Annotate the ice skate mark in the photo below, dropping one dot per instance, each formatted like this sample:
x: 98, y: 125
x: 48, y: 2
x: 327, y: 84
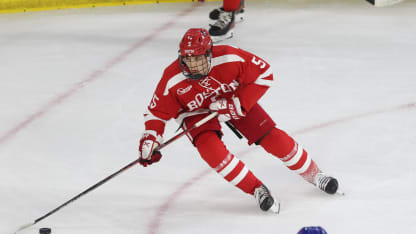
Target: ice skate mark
x: 93, y: 76
x: 354, y: 117
x: 156, y: 220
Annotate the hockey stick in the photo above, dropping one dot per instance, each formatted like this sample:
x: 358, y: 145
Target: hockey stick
x: 235, y: 131
x: 196, y: 125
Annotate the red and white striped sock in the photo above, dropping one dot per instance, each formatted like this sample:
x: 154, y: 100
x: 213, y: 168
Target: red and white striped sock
x: 283, y: 146
x: 214, y: 152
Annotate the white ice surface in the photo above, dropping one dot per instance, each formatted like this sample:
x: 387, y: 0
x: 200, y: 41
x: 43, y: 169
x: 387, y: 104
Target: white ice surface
x: 74, y: 84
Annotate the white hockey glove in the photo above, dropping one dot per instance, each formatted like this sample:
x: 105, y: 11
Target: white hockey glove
x: 148, y: 144
x: 228, y: 109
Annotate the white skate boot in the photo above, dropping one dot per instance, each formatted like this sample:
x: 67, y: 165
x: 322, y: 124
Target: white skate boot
x: 223, y: 28
x: 238, y: 14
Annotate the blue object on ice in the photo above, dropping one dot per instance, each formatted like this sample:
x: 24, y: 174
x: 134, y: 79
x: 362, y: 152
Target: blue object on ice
x: 312, y: 230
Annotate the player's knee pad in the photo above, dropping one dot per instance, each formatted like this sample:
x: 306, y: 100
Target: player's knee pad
x: 211, y: 148
x: 278, y: 143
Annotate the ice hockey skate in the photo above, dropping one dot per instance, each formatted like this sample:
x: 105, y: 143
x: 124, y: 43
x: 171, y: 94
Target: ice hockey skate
x: 222, y: 29
x: 265, y: 200
x: 238, y: 14
x: 326, y: 183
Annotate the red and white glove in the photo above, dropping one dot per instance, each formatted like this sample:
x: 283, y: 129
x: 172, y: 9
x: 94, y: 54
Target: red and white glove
x: 228, y: 109
x: 149, y: 141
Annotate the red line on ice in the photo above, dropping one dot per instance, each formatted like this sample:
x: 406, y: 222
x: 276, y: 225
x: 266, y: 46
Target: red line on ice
x: 89, y: 79
x: 156, y: 220
x: 354, y: 117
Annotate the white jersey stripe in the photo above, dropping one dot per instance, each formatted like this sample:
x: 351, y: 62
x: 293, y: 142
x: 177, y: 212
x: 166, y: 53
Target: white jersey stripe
x: 149, y: 116
x: 295, y: 158
x: 224, y: 172
x: 174, y: 81
x: 240, y: 176
x: 267, y: 73
x: 261, y: 81
x: 264, y: 82
x: 226, y: 59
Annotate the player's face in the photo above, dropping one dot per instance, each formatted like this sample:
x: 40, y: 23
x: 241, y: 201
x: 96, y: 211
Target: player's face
x: 197, y: 64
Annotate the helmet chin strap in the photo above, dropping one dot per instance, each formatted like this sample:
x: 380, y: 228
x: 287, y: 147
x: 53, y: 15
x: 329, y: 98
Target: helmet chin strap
x: 196, y: 76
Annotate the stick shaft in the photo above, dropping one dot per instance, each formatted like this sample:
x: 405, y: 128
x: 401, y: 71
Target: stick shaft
x: 235, y: 131
x: 79, y: 195
x: 199, y: 123
x: 89, y: 189
x: 196, y: 125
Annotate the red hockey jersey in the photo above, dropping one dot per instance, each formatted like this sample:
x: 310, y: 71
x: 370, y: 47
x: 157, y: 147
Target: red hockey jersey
x: 233, y: 72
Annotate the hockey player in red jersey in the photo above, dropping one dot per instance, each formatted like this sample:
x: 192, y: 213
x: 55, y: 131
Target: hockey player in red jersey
x: 230, y: 81
x: 226, y: 16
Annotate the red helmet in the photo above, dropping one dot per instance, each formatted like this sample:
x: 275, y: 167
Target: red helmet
x: 196, y: 41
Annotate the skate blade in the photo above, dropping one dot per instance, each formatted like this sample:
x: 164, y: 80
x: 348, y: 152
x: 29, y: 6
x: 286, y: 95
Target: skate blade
x: 217, y: 39
x: 239, y: 18
x: 275, y: 208
x: 340, y: 192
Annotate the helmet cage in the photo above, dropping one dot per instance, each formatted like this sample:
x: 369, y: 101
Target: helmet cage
x: 199, y: 74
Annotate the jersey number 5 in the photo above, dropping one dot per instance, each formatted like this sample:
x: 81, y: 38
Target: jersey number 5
x: 258, y: 62
x: 153, y: 103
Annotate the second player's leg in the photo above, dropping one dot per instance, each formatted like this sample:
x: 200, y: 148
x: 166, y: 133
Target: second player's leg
x: 225, y: 17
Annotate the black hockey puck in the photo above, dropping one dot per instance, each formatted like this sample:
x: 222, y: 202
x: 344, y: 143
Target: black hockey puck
x: 45, y: 231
